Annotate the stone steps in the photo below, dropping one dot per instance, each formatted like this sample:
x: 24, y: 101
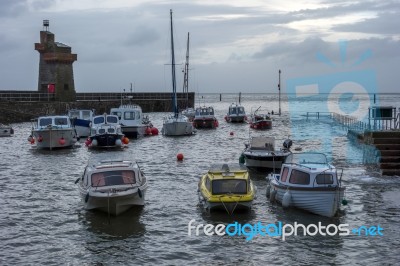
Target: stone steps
x: 390, y: 159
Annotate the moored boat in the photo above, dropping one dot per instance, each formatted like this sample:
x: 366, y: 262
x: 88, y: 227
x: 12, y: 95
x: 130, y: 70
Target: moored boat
x: 260, y: 120
x: 112, y: 186
x: 133, y: 123
x: 236, y: 113
x: 6, y: 131
x: 81, y: 120
x: 307, y: 181
x: 205, y: 118
x: 226, y: 187
x: 106, y: 133
x: 51, y: 132
x: 260, y: 154
x: 175, y: 124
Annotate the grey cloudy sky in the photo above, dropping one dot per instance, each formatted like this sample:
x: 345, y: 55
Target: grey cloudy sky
x: 236, y: 45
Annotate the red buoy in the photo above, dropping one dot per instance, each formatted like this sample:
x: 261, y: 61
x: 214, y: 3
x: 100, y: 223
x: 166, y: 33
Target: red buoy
x: 147, y: 132
x: 61, y: 141
x: 179, y: 157
x: 231, y: 133
x: 154, y: 131
x: 88, y: 142
x: 40, y: 139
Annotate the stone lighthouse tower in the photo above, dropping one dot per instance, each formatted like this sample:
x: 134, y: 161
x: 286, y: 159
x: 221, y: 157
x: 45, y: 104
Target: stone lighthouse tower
x: 55, y: 66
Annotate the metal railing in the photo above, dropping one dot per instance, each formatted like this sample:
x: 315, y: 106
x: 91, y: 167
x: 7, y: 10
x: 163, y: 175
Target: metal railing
x: 26, y: 97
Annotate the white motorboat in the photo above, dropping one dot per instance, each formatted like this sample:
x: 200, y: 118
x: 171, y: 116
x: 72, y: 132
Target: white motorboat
x: 130, y: 116
x: 236, y: 113
x: 6, y: 131
x: 307, y: 181
x: 81, y: 119
x: 52, y: 132
x: 112, y: 186
x: 106, y: 133
x: 176, y: 124
x: 189, y: 113
x: 260, y: 154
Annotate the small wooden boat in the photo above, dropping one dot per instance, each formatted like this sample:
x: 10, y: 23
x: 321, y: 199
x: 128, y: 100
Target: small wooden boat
x: 226, y: 187
x: 307, y: 181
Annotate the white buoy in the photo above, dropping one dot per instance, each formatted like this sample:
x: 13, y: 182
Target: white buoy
x: 118, y: 143
x: 268, y: 193
x: 94, y: 142
x: 272, y: 195
x: 287, y: 197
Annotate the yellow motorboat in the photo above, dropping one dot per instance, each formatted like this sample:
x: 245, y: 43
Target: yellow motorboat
x: 226, y: 187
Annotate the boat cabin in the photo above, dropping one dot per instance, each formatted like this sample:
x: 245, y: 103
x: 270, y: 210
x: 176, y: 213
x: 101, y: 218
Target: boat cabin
x: 204, y: 111
x: 53, y: 121
x: 128, y: 114
x: 227, y: 179
x: 81, y: 114
x: 236, y: 110
x: 308, y: 170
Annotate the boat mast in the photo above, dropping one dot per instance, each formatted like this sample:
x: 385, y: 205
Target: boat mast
x: 279, y: 88
x: 186, y: 74
x: 173, y: 70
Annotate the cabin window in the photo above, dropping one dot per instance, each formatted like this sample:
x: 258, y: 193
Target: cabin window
x: 225, y: 186
x: 138, y: 115
x: 98, y: 120
x: 129, y: 115
x: 324, y: 179
x: 210, y: 111
x: 119, y: 114
x: 241, y: 110
x: 86, y: 115
x: 284, y: 174
x: 113, y: 178
x: 112, y: 119
x: 45, y: 122
x: 74, y: 114
x: 61, y: 121
x: 208, y: 184
x: 299, y: 177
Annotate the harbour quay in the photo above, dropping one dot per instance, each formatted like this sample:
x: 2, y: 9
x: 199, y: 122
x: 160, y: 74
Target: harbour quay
x: 22, y: 106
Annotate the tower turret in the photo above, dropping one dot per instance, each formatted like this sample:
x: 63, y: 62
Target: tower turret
x: 55, y: 66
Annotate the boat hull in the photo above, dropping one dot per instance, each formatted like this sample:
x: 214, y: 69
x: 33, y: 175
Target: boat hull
x: 261, y: 125
x: 50, y: 138
x: 261, y: 162
x: 6, y: 132
x: 235, y: 118
x: 229, y: 207
x: 205, y: 123
x: 106, y: 140
x: 177, y: 128
x: 321, y: 201
x: 115, y: 203
x: 134, y: 131
x: 82, y: 127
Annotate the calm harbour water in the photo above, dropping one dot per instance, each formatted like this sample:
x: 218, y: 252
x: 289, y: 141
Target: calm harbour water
x: 42, y: 220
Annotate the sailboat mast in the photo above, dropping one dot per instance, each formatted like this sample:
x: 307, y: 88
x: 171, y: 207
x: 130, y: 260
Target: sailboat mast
x: 186, y: 74
x: 173, y: 70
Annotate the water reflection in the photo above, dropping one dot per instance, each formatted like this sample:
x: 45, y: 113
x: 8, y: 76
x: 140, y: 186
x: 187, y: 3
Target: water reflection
x: 127, y: 224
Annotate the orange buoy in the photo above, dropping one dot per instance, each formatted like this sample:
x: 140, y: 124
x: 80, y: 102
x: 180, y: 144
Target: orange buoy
x: 125, y: 140
x: 179, y: 157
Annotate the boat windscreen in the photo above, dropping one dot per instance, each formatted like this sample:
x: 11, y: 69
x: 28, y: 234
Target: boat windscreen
x: 112, y: 119
x: 113, y: 178
x: 307, y: 158
x: 229, y: 186
x: 222, y: 168
x: 45, y: 121
x: 98, y: 120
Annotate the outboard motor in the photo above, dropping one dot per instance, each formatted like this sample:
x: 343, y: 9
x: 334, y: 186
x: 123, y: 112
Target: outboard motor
x: 287, y: 144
